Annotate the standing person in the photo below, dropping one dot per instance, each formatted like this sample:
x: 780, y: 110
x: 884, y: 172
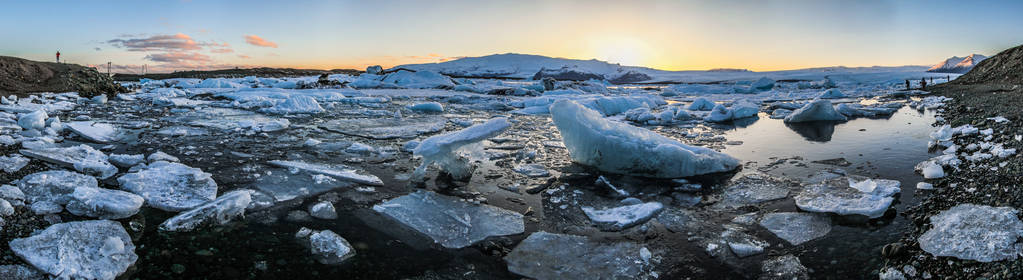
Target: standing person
x: 907, y: 84
x: 923, y: 84
x: 58, y: 56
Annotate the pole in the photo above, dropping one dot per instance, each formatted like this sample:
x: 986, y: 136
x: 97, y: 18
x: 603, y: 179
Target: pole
x: 108, y: 68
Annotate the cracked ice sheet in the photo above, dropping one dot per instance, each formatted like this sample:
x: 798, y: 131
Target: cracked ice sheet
x: 387, y: 128
x: 230, y: 119
x: 545, y: 255
x: 99, y: 249
x: 450, y: 221
x: 94, y: 131
x: 337, y: 171
x: 282, y: 186
x: 797, y: 227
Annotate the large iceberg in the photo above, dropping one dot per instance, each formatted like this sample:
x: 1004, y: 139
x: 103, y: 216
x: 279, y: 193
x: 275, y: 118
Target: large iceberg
x: 450, y: 221
x: 975, y: 232
x: 620, y: 148
x: 545, y: 255
x: 170, y: 186
x: 817, y: 110
x: 79, y: 250
x: 448, y: 150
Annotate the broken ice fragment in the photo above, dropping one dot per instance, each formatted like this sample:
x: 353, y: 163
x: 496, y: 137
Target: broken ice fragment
x: 755, y: 188
x: 104, y: 203
x: 326, y: 246
x: 817, y: 110
x: 170, y: 186
x: 621, y: 148
x: 742, y: 244
x: 338, y: 172
x: 795, y: 227
x: 217, y: 212
x: 623, y: 217
x: 387, y: 128
x: 449, y: 221
x: 870, y: 197
x: 83, y: 158
x: 323, y: 210
x: 95, y: 132
x: 447, y: 150
x: 545, y: 255
x: 787, y: 267
x: 532, y: 170
x: 98, y: 249
x: 13, y: 163
x: 975, y: 232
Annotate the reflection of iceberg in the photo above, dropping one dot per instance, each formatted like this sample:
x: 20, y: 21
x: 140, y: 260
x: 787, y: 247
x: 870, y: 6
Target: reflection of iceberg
x: 817, y: 131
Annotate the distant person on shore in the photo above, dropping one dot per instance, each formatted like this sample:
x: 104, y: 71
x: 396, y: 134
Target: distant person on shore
x: 58, y: 56
x: 907, y: 84
x: 923, y: 83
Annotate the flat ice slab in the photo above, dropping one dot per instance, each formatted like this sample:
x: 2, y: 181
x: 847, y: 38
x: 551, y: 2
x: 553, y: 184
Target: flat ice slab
x: 387, y: 128
x: 326, y: 246
x: 79, y: 250
x: 974, y: 232
x: 847, y: 196
x: 623, y: 217
x: 545, y: 255
x: 170, y: 186
x: 217, y: 212
x: 755, y: 188
x: 624, y: 149
x: 83, y: 158
x: 796, y: 227
x: 449, y: 221
x: 104, y: 203
x: 94, y: 131
x: 338, y: 172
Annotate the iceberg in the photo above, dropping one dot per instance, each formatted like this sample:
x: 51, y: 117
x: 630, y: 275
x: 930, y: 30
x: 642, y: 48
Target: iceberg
x: 447, y: 149
x: 974, y: 232
x: 763, y: 84
x: 217, y: 212
x: 817, y: 110
x: 623, y: 217
x: 832, y: 93
x: 545, y: 255
x: 795, y: 227
x: 170, y: 186
x: 299, y: 104
x: 449, y: 221
x: 620, y: 148
x: 79, y: 250
x: 701, y: 104
x: 82, y: 158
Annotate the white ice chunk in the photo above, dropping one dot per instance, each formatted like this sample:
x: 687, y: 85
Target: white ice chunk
x: 817, y: 110
x: 701, y: 104
x: 783, y: 267
x: 796, y: 227
x: 295, y: 105
x: 427, y: 107
x: 870, y: 197
x: 126, y: 161
x: 545, y: 255
x: 104, y: 203
x: 339, y: 172
x: 323, y: 210
x: 449, y: 221
x: 932, y: 170
x: 83, y: 158
x: 532, y: 170
x: 446, y: 150
x: 623, y: 217
x: 388, y: 128
x: 329, y: 248
x: 13, y: 163
x: 94, y: 131
x: 974, y: 232
x: 79, y: 250
x: 217, y: 212
x: 620, y: 148
x: 170, y: 186
x: 833, y: 93
x: 763, y: 84
x: 34, y: 120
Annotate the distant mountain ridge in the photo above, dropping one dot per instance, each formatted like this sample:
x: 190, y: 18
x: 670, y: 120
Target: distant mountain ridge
x: 957, y: 64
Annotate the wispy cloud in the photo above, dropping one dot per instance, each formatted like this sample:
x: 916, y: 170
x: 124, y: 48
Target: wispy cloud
x: 176, y: 42
x: 259, y: 42
x: 178, y: 57
x: 242, y: 56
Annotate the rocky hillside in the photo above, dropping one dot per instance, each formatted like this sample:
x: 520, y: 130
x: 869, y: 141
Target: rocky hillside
x: 22, y: 76
x: 1003, y: 69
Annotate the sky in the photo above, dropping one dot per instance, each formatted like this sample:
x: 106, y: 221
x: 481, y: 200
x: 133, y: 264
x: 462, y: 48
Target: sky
x: 670, y: 35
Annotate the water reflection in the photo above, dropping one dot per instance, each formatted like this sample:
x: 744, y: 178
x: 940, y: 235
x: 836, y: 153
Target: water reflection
x: 818, y: 131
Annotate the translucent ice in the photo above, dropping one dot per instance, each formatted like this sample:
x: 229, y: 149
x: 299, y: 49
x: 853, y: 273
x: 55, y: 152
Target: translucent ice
x: 449, y: 221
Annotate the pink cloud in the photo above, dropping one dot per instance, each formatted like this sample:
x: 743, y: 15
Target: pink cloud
x: 178, y: 57
x: 242, y: 56
x: 259, y: 42
x: 158, y: 43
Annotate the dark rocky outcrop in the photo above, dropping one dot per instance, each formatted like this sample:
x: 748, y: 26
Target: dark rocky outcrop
x: 22, y: 76
x: 1005, y: 68
x: 567, y: 74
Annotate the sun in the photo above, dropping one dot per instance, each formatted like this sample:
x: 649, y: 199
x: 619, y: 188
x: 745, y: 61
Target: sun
x: 622, y: 50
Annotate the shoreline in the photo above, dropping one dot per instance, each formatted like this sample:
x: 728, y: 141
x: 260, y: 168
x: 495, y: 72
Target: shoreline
x: 974, y: 182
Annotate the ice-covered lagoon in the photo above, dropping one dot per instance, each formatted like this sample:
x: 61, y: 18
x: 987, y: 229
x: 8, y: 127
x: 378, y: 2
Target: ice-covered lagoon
x: 269, y: 140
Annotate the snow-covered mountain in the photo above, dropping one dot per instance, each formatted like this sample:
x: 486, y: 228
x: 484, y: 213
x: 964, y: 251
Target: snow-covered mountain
x: 957, y: 64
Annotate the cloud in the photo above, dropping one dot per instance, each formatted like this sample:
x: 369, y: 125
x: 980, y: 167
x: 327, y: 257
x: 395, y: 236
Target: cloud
x: 242, y: 56
x: 259, y: 42
x: 179, y: 57
x: 98, y: 49
x: 221, y: 51
x: 176, y: 42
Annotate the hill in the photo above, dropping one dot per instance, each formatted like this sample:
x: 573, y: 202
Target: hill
x: 22, y: 76
x: 957, y: 64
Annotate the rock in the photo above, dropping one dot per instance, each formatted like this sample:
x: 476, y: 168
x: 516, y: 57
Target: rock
x: 94, y: 131
x: 79, y: 250
x: 217, y: 212
x: 82, y: 158
x: 787, y: 267
x: 545, y: 255
x: 796, y: 228
x: 974, y: 232
x: 170, y: 186
x: 449, y: 221
x: 104, y: 203
x: 323, y: 210
x: 623, y: 217
x: 339, y: 172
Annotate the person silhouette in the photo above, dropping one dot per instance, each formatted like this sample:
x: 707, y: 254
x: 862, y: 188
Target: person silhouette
x: 58, y: 56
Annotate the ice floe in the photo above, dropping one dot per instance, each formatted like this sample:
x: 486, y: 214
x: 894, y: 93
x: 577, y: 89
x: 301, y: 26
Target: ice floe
x: 220, y: 211
x: 82, y: 158
x: 623, y: 217
x: 974, y: 232
x: 79, y: 250
x: 817, y: 110
x: 451, y: 222
x: 795, y: 227
x: 339, y: 172
x: 95, y: 132
x: 545, y: 255
x: 387, y: 128
x: 847, y: 196
x: 170, y: 186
